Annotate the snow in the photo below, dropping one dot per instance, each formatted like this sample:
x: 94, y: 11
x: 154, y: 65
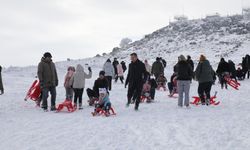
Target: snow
x: 160, y: 125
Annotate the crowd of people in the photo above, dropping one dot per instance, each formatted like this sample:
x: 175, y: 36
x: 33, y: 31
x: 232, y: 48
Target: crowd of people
x: 142, y: 80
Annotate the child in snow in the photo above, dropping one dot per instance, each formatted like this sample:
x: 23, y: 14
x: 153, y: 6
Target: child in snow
x: 77, y: 81
x: 68, y: 88
x: 119, y: 73
x: 161, y: 81
x: 103, y: 103
x: 146, y: 89
x: 172, y: 85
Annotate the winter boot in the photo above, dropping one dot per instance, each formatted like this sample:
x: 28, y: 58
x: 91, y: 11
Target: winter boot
x: 53, y: 108
x: 80, y: 106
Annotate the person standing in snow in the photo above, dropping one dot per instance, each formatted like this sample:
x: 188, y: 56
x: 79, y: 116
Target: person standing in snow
x: 119, y: 73
x: 190, y: 62
x: 148, y: 66
x: 232, y: 69
x: 47, y: 75
x: 246, y: 65
x: 1, y: 82
x: 222, y: 71
x: 136, y: 75
x: 184, y: 76
x: 204, y: 74
x: 109, y: 70
x: 164, y: 63
x: 157, y: 68
x: 115, y: 63
x: 77, y: 81
x: 68, y: 88
x: 124, y: 67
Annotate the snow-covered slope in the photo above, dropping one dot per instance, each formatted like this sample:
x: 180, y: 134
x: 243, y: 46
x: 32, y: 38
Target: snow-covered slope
x: 157, y: 126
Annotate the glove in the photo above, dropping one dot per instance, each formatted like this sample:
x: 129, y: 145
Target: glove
x: 89, y: 68
x: 125, y: 86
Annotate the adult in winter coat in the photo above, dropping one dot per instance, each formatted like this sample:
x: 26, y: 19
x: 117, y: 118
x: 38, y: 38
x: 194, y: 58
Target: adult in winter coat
x: 157, y: 68
x: 184, y: 76
x: 78, y: 83
x: 1, y: 82
x: 124, y: 67
x: 232, y: 69
x: 190, y: 62
x: 101, y: 82
x: 163, y: 61
x: 136, y: 75
x: 47, y: 75
x: 115, y: 63
x: 222, y: 71
x: 109, y: 70
x: 204, y: 74
x: 69, y: 90
x: 246, y: 66
x: 148, y: 67
x: 119, y: 73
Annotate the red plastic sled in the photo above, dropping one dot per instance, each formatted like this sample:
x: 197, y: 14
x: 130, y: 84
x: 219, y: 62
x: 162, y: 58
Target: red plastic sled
x: 34, y: 92
x: 233, y: 83
x: 101, y: 112
x: 144, y: 98
x: 68, y: 104
x: 197, y: 100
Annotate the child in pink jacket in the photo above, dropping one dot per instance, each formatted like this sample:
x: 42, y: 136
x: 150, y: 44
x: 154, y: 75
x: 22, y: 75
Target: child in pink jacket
x: 119, y: 73
x: 68, y: 88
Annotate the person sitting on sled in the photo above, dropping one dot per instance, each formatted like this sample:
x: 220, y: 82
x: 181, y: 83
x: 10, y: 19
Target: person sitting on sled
x: 161, y: 81
x: 146, y: 90
x: 101, y: 82
x: 103, y: 102
x: 172, y: 85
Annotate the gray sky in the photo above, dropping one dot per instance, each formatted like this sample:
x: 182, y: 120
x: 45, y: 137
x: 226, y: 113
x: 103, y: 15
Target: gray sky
x: 82, y: 28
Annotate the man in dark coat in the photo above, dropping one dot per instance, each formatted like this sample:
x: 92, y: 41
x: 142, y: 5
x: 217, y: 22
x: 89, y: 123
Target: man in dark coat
x: 124, y: 67
x: 136, y: 75
x: 190, y: 62
x: 246, y: 66
x: 115, y: 63
x: 232, y: 69
x: 157, y: 68
x: 1, y: 82
x: 47, y: 75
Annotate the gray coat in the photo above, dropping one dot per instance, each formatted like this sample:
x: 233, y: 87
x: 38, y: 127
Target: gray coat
x: 108, y: 69
x: 204, y: 72
x: 78, y: 79
x: 47, y: 73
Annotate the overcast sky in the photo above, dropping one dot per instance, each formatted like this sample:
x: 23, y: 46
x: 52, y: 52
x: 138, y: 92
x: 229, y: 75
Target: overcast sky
x: 82, y: 28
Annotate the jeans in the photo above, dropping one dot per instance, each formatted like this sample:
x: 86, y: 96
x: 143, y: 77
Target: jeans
x: 183, y: 87
x: 45, y: 95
